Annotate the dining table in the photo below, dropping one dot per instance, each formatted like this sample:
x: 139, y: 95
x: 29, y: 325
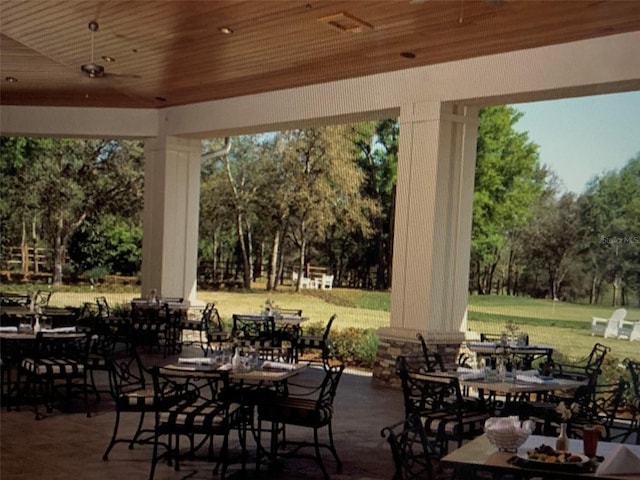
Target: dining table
x: 512, y: 394
x: 613, y: 461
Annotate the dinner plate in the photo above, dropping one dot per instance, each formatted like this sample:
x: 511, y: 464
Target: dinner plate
x: 524, y: 460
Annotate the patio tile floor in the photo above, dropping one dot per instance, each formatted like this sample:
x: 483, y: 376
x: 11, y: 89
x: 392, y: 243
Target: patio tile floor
x: 63, y: 446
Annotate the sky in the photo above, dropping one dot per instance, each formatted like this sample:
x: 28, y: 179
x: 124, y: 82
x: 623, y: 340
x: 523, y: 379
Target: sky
x: 580, y: 138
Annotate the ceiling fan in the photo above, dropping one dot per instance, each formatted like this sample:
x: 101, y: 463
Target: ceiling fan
x: 93, y: 69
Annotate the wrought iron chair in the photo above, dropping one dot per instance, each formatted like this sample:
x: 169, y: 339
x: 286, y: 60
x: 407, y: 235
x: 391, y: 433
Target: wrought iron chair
x: 632, y: 400
x: 200, y: 328
x: 588, y: 369
x: 308, y: 407
x: 259, y: 334
x: 132, y: 392
x: 58, y: 360
x: 195, y: 405
x: 313, y: 342
x: 414, y: 457
x: 150, y: 326
x: 438, y: 400
x: 433, y: 360
x: 102, y: 346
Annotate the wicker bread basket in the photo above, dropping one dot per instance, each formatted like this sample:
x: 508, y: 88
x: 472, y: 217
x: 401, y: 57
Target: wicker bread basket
x: 507, y: 433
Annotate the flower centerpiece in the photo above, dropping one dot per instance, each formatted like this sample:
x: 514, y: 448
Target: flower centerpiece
x: 562, y: 442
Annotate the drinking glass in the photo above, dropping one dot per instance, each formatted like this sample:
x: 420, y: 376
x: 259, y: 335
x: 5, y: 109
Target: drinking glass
x: 590, y: 441
x: 45, y: 323
x: 24, y: 325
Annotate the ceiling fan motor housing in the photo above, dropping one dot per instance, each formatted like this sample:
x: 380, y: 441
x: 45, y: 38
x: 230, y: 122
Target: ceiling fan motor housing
x: 93, y: 70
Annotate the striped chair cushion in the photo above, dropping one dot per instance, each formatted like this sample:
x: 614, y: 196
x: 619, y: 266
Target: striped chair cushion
x: 202, y: 414
x: 53, y: 366
x: 96, y: 361
x: 311, y: 342
x: 136, y: 400
x: 150, y: 327
x: 192, y: 325
x: 257, y: 342
x: 296, y: 411
x: 445, y: 423
x: 219, y: 337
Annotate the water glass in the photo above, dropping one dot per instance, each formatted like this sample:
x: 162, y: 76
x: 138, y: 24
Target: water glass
x: 24, y: 325
x: 45, y: 323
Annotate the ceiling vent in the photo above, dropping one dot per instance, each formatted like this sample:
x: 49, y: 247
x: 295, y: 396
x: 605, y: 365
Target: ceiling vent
x: 345, y: 22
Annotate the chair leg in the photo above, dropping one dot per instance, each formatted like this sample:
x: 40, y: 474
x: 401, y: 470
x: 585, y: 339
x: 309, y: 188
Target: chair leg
x: 138, y: 431
x: 316, y: 444
x: 105, y: 456
x: 332, y: 448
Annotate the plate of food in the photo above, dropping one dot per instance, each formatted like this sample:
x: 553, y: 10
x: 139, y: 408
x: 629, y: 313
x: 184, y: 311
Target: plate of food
x: 547, y: 457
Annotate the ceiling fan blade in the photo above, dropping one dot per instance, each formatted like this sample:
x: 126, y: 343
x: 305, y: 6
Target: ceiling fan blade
x: 120, y: 75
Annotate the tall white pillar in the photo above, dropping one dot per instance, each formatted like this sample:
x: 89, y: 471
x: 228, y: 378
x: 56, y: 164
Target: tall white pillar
x: 433, y: 221
x: 171, y: 213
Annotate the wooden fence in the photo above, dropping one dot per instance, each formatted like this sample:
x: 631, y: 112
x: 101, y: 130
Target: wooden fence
x: 27, y: 259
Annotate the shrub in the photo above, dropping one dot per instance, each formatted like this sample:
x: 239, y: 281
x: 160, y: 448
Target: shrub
x: 355, y: 346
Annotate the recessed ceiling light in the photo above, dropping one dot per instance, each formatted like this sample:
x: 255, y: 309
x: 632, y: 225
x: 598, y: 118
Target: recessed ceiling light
x: 10, y: 79
x: 108, y: 59
x: 410, y: 55
x: 225, y: 30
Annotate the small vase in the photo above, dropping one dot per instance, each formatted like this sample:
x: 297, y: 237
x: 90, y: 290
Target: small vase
x: 562, y: 442
x: 236, y: 361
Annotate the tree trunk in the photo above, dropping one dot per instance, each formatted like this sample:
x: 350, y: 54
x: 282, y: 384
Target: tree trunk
x: 273, y: 262
x: 216, y: 256
x: 510, y: 273
x: 57, y: 252
x: 478, y: 281
x: 24, y: 252
x: 301, y: 270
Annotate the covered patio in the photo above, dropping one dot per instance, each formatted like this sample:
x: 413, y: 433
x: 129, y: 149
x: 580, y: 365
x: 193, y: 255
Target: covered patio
x: 183, y: 79
x: 222, y: 68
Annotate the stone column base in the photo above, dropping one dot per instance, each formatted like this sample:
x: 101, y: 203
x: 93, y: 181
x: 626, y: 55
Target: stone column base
x: 394, y: 342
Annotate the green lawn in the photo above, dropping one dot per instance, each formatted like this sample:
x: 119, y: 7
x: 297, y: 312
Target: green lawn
x: 565, y: 326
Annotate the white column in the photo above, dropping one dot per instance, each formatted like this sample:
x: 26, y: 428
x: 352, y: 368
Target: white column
x: 433, y: 221
x: 171, y: 213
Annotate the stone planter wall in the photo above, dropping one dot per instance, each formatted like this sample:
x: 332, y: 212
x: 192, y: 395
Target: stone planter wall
x: 393, y: 344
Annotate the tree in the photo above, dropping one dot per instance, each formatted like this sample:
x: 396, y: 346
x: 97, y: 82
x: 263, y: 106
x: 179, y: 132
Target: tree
x: 507, y: 179
x: 68, y: 180
x: 376, y: 151
x: 552, y: 239
x: 611, y: 230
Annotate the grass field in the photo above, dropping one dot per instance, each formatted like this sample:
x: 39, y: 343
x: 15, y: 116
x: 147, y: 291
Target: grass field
x: 565, y: 326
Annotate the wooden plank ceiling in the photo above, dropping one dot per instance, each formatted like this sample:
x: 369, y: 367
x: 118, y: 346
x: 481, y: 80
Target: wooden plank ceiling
x: 171, y: 52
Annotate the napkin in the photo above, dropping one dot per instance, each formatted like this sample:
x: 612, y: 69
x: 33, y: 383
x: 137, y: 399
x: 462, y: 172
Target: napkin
x: 226, y: 366
x: 196, y: 360
x: 470, y: 373
x: 9, y: 329
x: 59, y: 330
x: 621, y: 461
x: 279, y: 365
x: 529, y: 377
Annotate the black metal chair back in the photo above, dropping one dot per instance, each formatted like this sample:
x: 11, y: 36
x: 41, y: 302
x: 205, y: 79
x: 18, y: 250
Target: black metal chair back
x: 433, y: 360
x: 190, y: 404
x: 410, y: 450
x: 132, y: 390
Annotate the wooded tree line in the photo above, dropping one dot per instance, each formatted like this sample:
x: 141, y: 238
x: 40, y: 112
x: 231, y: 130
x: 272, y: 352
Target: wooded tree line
x: 322, y: 196
x: 325, y: 196
x: 531, y: 238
